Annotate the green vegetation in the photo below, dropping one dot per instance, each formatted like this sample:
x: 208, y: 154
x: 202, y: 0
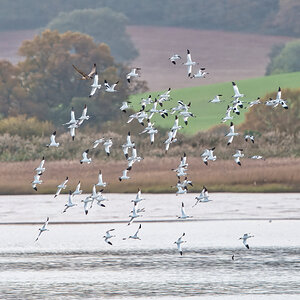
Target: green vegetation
x: 103, y: 24
x: 279, y: 17
x: 45, y: 85
x: 210, y: 114
x: 285, y: 59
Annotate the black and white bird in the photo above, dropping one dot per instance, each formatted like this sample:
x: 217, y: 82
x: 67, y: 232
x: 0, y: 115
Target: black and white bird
x: 236, y: 91
x: 125, y: 106
x: 216, y: 99
x: 95, y: 86
x: 237, y: 156
x: 77, y: 191
x: 97, y: 142
x: 133, y: 73
x: 203, y: 197
x: 85, y: 158
x: 83, y: 116
x: 179, y: 242
x: 254, y: 102
x: 108, y: 236
x: 245, y: 237
x: 124, y: 175
x: 134, y: 214
x: 70, y: 202
x: 72, y: 119
x: 110, y: 88
x: 248, y: 137
x: 183, y: 215
x: 189, y: 63
x: 61, y: 186
x: 40, y: 169
x: 208, y: 155
x: 128, y: 145
x: 200, y: 74
x: 43, y: 228
x: 135, y: 236
x: 52, y: 141
x: 227, y: 117
x: 231, y: 134
x: 107, y: 144
x: 100, y: 180
x: 174, y: 57
x: 138, y: 197
x: 257, y: 157
x: 36, y: 180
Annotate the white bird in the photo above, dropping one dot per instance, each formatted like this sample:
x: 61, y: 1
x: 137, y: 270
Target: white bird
x: 107, y: 144
x: 203, y: 196
x: 208, y: 154
x: 174, y: 57
x: 138, y: 197
x: 181, y: 106
x: 40, y: 169
x: 134, y: 214
x: 70, y: 203
x: 216, y: 99
x: 164, y: 97
x: 78, y: 191
x: 72, y: 131
x: 97, y: 142
x: 237, y: 156
x: 95, y: 86
x: 185, y: 115
x: 189, y: 63
x: 148, y: 127
x: 181, y: 190
x: 169, y: 140
x: 249, y: 137
x: 108, y: 236
x: 257, y: 157
x: 36, y: 180
x: 52, y: 141
x: 255, y: 102
x: 176, y: 126
x: 85, y: 159
x: 179, y: 242
x: 151, y: 133
x: 144, y: 102
x: 245, y: 237
x: 43, y: 228
x: 227, y: 117
x: 86, y: 201
x: 201, y: 74
x: 125, y: 105
x: 100, y: 198
x: 133, y: 73
x: 231, y: 134
x: 84, y: 115
x: 133, y: 158
x: 110, y: 88
x: 124, y: 175
x: 72, y: 120
x: 135, y: 236
x: 183, y: 163
x: 100, y: 180
x: 183, y: 215
x: 61, y: 186
x: 237, y: 94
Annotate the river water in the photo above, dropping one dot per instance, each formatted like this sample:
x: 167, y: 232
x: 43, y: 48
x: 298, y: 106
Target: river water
x: 72, y: 261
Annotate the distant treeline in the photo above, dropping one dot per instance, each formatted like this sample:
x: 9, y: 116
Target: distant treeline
x: 259, y: 16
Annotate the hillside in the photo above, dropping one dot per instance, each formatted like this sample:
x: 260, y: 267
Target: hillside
x: 210, y: 114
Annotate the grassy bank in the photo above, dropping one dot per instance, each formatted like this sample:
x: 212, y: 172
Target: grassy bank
x: 210, y: 114
x: 272, y: 175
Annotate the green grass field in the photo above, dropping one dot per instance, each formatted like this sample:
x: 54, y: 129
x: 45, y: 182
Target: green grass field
x: 210, y: 114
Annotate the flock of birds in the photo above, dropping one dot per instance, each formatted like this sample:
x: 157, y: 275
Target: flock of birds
x: 143, y: 115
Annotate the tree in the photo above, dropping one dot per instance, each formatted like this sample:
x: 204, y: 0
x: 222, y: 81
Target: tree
x: 287, y: 60
x: 265, y: 119
x: 103, y: 24
x: 51, y: 83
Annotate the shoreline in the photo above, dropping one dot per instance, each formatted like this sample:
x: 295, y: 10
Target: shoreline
x: 275, y: 175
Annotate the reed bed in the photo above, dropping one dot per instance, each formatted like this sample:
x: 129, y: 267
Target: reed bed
x: 155, y: 175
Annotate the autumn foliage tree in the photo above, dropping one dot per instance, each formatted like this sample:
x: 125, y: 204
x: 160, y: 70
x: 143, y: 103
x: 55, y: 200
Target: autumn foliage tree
x: 264, y: 119
x: 45, y: 84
